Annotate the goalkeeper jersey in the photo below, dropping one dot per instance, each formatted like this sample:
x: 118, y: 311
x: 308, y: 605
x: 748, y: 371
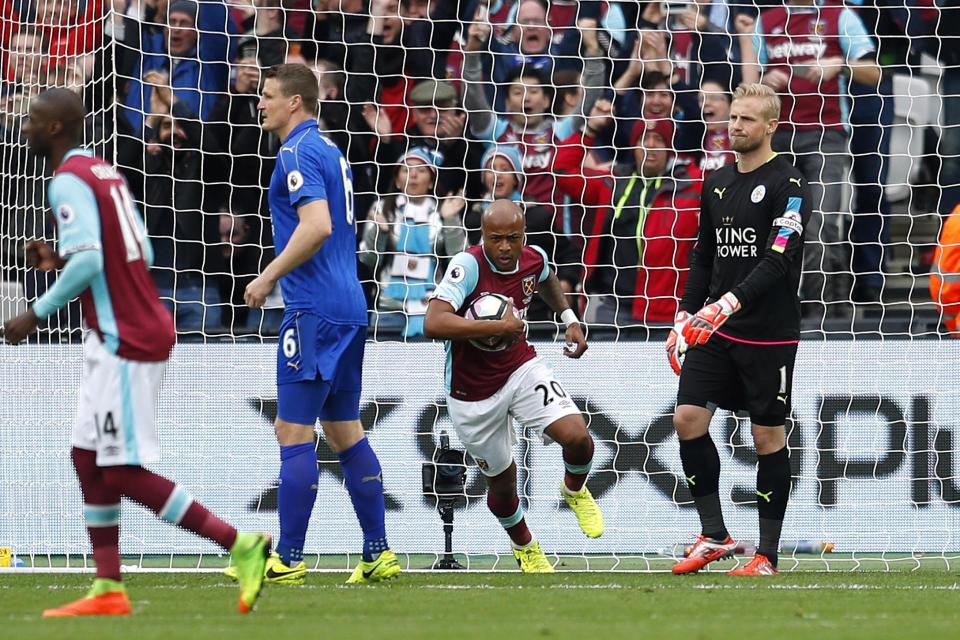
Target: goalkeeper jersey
x: 750, y: 242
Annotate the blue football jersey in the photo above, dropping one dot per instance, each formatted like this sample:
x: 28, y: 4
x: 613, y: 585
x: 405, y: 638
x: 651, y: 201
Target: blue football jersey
x: 310, y: 167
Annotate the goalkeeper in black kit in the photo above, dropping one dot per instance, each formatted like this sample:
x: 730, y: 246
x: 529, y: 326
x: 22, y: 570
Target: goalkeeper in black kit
x: 739, y: 324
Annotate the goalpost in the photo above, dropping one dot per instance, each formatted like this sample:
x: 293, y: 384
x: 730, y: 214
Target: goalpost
x: 875, y: 429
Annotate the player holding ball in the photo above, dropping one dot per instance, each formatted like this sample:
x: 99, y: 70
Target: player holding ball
x: 493, y: 374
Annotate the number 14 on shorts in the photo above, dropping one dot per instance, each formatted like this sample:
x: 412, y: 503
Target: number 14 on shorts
x: 105, y: 424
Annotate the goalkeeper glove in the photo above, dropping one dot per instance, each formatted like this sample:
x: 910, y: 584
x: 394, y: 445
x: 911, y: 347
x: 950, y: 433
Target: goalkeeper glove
x: 699, y: 329
x: 676, y: 345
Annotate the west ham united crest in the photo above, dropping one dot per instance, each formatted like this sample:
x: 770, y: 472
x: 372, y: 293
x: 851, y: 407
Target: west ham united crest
x: 529, y: 285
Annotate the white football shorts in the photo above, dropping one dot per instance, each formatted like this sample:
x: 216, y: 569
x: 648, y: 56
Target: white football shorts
x: 531, y: 396
x: 117, y: 413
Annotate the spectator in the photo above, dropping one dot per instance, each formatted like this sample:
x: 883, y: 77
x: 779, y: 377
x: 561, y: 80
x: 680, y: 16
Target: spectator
x: 438, y: 123
x: 948, y: 28
x: 193, y: 49
x: 714, y: 103
x: 24, y: 63
x: 611, y: 32
x: 945, y: 274
x: 871, y: 120
x: 645, y: 225
x: 543, y: 34
x: 528, y: 47
x: 334, y: 23
x: 234, y: 137
x: 685, y: 50
x: 653, y: 102
x: 240, y: 257
x: 403, y: 237
x: 264, y: 27
x: 786, y: 43
x: 503, y: 180
x: 182, y: 183
x: 9, y: 22
x: 343, y: 124
x: 527, y: 123
x: 69, y: 34
x: 567, y: 92
x: 385, y: 62
x: 235, y: 124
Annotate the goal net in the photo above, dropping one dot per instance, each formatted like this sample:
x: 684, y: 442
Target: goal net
x: 603, y: 118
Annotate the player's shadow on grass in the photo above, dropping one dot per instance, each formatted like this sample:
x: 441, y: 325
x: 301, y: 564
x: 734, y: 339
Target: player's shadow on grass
x: 327, y: 461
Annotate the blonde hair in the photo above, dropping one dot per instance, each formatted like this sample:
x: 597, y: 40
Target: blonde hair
x: 770, y: 103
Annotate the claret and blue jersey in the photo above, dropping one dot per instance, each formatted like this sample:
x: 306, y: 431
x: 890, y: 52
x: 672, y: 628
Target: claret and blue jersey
x: 96, y: 218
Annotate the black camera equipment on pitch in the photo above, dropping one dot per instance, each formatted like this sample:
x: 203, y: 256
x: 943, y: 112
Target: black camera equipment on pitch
x: 444, y: 479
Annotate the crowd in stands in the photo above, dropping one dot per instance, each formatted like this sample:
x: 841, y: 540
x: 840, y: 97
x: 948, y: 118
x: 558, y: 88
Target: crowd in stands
x: 602, y: 117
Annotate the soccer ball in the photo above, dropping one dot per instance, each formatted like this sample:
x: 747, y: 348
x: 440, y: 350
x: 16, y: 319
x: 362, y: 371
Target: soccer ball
x: 489, y: 306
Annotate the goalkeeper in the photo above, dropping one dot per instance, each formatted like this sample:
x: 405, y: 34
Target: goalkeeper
x: 740, y: 319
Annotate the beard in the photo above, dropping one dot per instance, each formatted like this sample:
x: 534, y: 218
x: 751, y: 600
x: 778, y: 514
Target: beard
x: 744, y: 145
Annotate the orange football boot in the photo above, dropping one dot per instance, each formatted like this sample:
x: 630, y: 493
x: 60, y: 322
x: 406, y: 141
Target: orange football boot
x: 705, y: 550
x: 110, y: 603
x: 759, y: 566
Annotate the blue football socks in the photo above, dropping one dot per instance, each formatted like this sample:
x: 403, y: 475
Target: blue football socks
x: 297, y: 493
x: 364, y: 479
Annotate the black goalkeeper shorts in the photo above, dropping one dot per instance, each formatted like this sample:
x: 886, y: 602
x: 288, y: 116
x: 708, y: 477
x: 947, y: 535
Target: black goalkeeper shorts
x: 739, y: 376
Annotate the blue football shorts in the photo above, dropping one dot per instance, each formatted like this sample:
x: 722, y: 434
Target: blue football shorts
x: 319, y: 369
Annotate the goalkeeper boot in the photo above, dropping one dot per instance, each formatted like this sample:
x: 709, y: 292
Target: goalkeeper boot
x: 105, y: 598
x: 532, y: 559
x: 704, y: 551
x: 759, y: 566
x: 383, y: 567
x: 586, y: 509
x: 249, y: 555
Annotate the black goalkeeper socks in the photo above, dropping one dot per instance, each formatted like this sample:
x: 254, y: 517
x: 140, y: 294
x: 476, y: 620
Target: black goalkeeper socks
x: 773, y: 491
x: 701, y: 466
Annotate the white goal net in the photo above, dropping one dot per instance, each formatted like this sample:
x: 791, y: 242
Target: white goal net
x: 602, y: 118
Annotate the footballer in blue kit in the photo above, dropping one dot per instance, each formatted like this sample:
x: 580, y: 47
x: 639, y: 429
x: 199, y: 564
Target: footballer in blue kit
x: 322, y: 336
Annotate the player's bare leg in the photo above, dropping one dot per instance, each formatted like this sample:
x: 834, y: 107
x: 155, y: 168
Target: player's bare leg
x: 363, y: 478
x: 101, y: 512
x: 773, y: 491
x: 503, y: 502
x: 102, y: 488
x: 571, y: 433
x: 701, y: 467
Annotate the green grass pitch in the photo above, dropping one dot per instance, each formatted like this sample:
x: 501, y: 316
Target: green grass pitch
x: 587, y: 606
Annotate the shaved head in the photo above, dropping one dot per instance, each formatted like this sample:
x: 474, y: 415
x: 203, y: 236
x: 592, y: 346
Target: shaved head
x: 55, y: 123
x: 503, y: 212
x: 66, y: 107
x: 502, y: 226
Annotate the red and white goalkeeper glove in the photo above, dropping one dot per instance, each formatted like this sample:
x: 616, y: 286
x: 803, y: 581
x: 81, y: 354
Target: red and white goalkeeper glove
x: 699, y: 329
x: 676, y: 345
